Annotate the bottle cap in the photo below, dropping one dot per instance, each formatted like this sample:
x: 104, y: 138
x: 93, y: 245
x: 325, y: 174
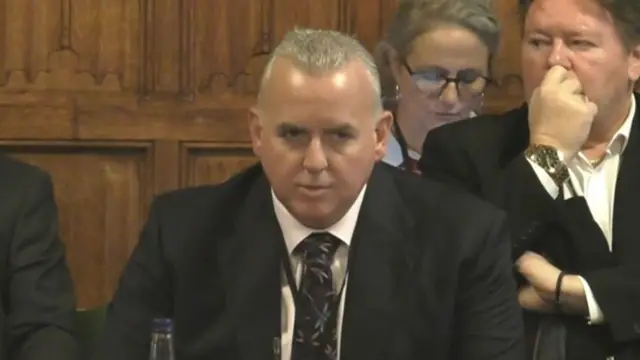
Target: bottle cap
x: 162, y: 325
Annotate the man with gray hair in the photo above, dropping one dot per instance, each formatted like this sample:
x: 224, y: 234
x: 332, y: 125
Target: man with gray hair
x: 259, y: 267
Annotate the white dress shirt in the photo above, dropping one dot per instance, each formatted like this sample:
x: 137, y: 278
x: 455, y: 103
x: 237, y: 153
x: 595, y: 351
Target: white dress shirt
x: 597, y: 185
x: 294, y: 232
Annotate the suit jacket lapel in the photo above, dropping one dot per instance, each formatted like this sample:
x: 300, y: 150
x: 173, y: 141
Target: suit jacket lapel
x: 377, y: 258
x: 627, y: 198
x: 253, y: 277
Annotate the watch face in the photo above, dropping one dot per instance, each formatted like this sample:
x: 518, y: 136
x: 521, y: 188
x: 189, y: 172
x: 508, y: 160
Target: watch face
x: 545, y: 156
x: 550, y: 157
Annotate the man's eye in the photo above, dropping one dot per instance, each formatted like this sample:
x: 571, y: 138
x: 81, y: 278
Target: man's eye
x: 536, y: 42
x: 582, y: 43
x: 291, y: 133
x: 342, y: 135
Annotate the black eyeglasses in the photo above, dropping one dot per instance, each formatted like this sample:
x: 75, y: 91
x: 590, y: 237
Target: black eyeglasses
x: 469, y: 83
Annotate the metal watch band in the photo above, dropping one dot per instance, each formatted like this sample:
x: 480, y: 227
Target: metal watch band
x: 548, y: 159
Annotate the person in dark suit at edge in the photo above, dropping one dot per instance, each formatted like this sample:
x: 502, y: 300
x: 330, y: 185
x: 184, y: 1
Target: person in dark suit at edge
x: 399, y: 267
x: 556, y: 165
x: 37, y: 301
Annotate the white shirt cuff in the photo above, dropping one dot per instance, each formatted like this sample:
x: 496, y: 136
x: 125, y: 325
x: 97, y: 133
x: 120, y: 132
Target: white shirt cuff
x: 596, y: 316
x: 545, y: 180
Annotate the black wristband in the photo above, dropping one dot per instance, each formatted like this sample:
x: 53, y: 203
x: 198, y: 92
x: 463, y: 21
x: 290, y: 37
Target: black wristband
x: 558, y: 290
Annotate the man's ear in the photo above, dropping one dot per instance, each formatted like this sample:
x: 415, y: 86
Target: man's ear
x: 255, y: 130
x: 382, y: 133
x: 634, y: 64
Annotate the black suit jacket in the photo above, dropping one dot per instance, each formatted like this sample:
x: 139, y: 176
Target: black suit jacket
x: 37, y: 302
x: 429, y: 275
x: 485, y: 156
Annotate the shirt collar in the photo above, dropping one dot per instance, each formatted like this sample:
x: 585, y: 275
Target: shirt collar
x: 619, y: 141
x: 294, y: 232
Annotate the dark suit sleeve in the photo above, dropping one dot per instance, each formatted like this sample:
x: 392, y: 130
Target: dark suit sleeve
x: 617, y: 291
x: 488, y: 317
x: 144, y: 293
x: 443, y: 162
x: 41, y: 299
x: 615, y: 286
x: 514, y: 188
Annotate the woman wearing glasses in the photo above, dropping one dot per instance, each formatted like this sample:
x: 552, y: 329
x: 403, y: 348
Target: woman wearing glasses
x: 434, y: 65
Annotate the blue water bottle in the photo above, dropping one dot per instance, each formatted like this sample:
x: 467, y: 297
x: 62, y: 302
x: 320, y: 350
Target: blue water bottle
x: 162, y: 340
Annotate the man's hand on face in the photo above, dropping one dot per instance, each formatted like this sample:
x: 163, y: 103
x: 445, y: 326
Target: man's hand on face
x: 560, y: 115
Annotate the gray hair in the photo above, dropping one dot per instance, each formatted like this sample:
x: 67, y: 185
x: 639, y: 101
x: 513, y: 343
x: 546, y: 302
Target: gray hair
x: 317, y: 52
x: 416, y: 17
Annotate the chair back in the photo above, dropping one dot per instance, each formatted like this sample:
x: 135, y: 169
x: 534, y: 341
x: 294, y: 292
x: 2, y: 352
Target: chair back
x: 89, y: 327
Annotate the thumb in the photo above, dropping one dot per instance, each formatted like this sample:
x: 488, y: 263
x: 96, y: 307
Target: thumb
x: 593, y: 108
x: 534, y: 95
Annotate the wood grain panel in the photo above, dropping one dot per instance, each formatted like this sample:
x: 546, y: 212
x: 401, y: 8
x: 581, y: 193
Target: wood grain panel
x: 102, y: 194
x: 122, y: 119
x: 209, y: 163
x: 88, y: 45
x: 36, y: 115
x: 233, y: 38
x: 506, y: 92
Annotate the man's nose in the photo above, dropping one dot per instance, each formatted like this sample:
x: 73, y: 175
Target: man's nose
x: 315, y: 159
x: 559, y: 55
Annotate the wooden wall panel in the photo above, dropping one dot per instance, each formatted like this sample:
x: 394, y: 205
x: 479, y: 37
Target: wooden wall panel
x: 123, y: 99
x: 89, y: 45
x: 506, y: 92
x: 211, y: 163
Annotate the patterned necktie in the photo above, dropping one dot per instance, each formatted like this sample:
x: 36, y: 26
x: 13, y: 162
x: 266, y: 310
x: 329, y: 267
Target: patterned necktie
x: 411, y: 164
x: 315, y: 336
